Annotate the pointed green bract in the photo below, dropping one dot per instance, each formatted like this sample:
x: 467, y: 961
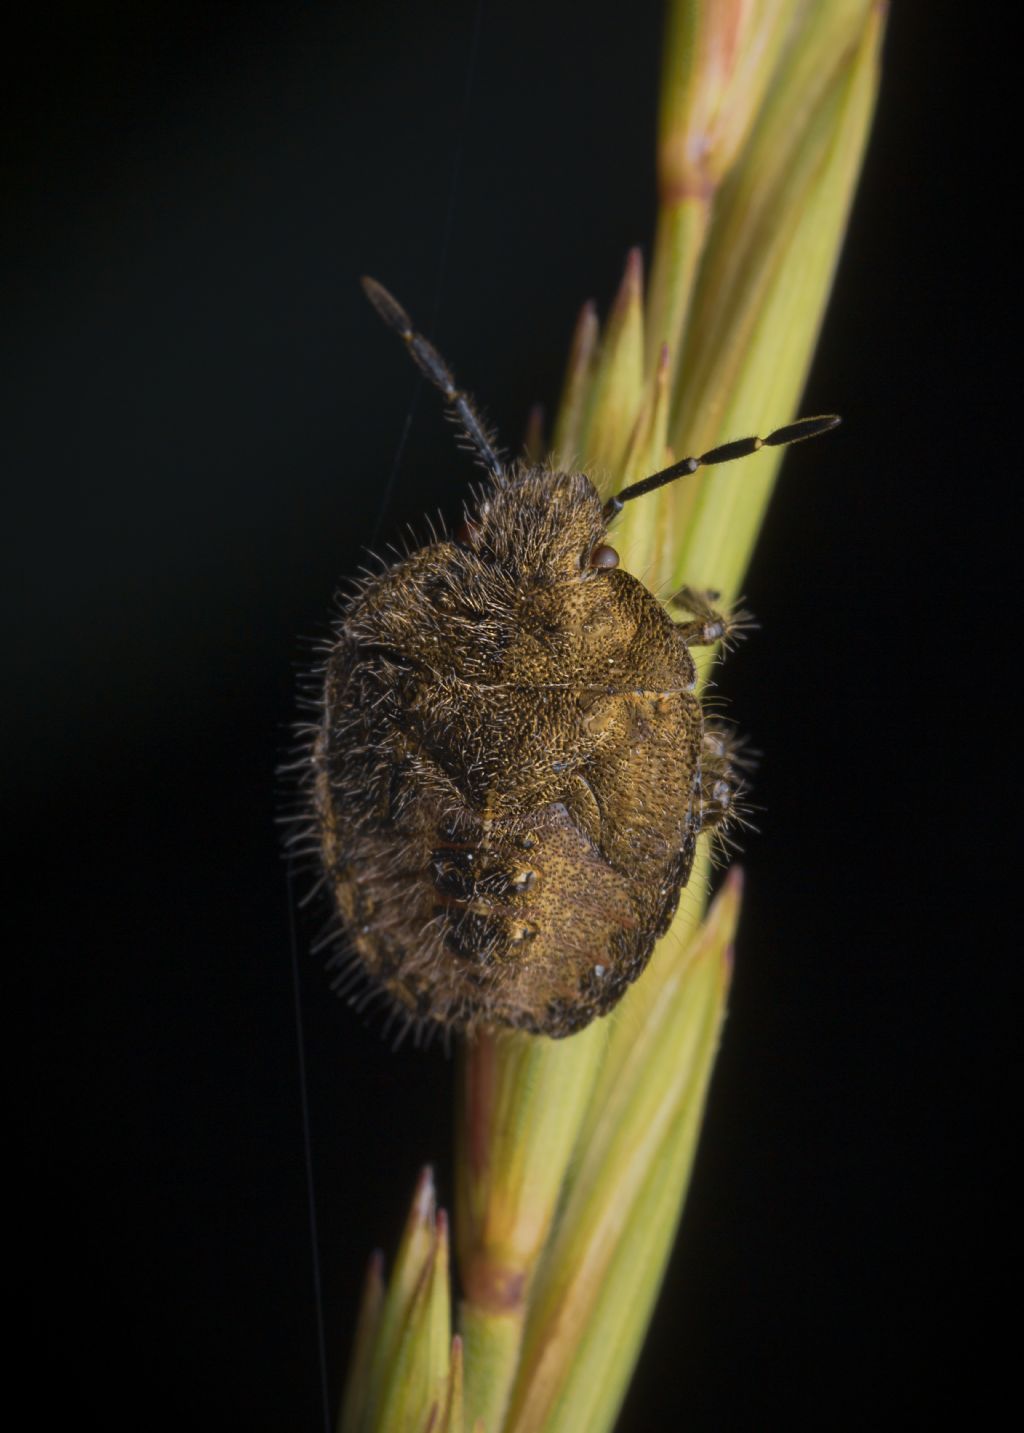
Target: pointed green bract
x: 406, y: 1373
x: 616, y: 390
x: 632, y: 1136
x: 566, y: 449
x: 357, y: 1385
x: 417, y: 1372
x: 414, y: 1254
x: 453, y: 1420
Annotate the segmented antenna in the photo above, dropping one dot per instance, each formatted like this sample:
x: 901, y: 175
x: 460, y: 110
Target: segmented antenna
x: 432, y: 366
x: 725, y: 453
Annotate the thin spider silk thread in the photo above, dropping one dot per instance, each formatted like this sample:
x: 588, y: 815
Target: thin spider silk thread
x: 442, y: 262
x: 307, y: 1147
x: 300, y: 1035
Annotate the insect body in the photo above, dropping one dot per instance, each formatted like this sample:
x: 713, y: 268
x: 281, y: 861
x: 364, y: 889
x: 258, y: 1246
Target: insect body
x: 512, y: 766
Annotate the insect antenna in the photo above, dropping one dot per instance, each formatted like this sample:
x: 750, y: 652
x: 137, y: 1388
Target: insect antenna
x: 432, y: 366
x: 739, y: 448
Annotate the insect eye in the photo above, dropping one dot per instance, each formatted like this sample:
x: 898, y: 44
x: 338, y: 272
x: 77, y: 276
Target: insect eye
x: 603, y: 557
x: 467, y: 534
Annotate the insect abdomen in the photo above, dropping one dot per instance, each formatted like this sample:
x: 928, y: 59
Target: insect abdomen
x: 506, y: 854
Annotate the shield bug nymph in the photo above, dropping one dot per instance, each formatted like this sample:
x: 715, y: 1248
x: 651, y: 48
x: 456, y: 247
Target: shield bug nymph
x: 511, y: 765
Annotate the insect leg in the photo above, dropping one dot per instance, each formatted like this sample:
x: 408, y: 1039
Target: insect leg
x: 708, y: 626
x: 722, y: 787
x: 432, y: 365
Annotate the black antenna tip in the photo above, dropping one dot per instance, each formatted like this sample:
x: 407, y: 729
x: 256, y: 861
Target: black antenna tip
x: 390, y: 310
x: 801, y: 429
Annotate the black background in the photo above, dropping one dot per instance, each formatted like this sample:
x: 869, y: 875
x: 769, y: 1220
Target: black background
x: 202, y: 414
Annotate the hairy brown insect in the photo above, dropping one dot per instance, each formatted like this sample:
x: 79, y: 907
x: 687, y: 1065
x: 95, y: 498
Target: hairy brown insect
x: 512, y: 765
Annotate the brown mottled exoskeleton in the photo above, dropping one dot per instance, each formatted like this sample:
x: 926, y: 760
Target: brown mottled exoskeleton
x: 512, y: 765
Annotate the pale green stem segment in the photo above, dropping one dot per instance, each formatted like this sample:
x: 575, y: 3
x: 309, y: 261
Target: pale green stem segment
x: 492, y: 1353
x: 764, y: 285
x: 520, y: 1104
x: 718, y: 61
x: 679, y: 243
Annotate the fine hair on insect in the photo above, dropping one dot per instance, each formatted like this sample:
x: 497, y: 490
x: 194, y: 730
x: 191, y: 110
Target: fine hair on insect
x: 509, y: 763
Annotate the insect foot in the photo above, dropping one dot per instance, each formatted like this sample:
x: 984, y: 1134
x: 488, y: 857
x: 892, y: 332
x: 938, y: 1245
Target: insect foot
x: 709, y: 626
x: 511, y: 765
